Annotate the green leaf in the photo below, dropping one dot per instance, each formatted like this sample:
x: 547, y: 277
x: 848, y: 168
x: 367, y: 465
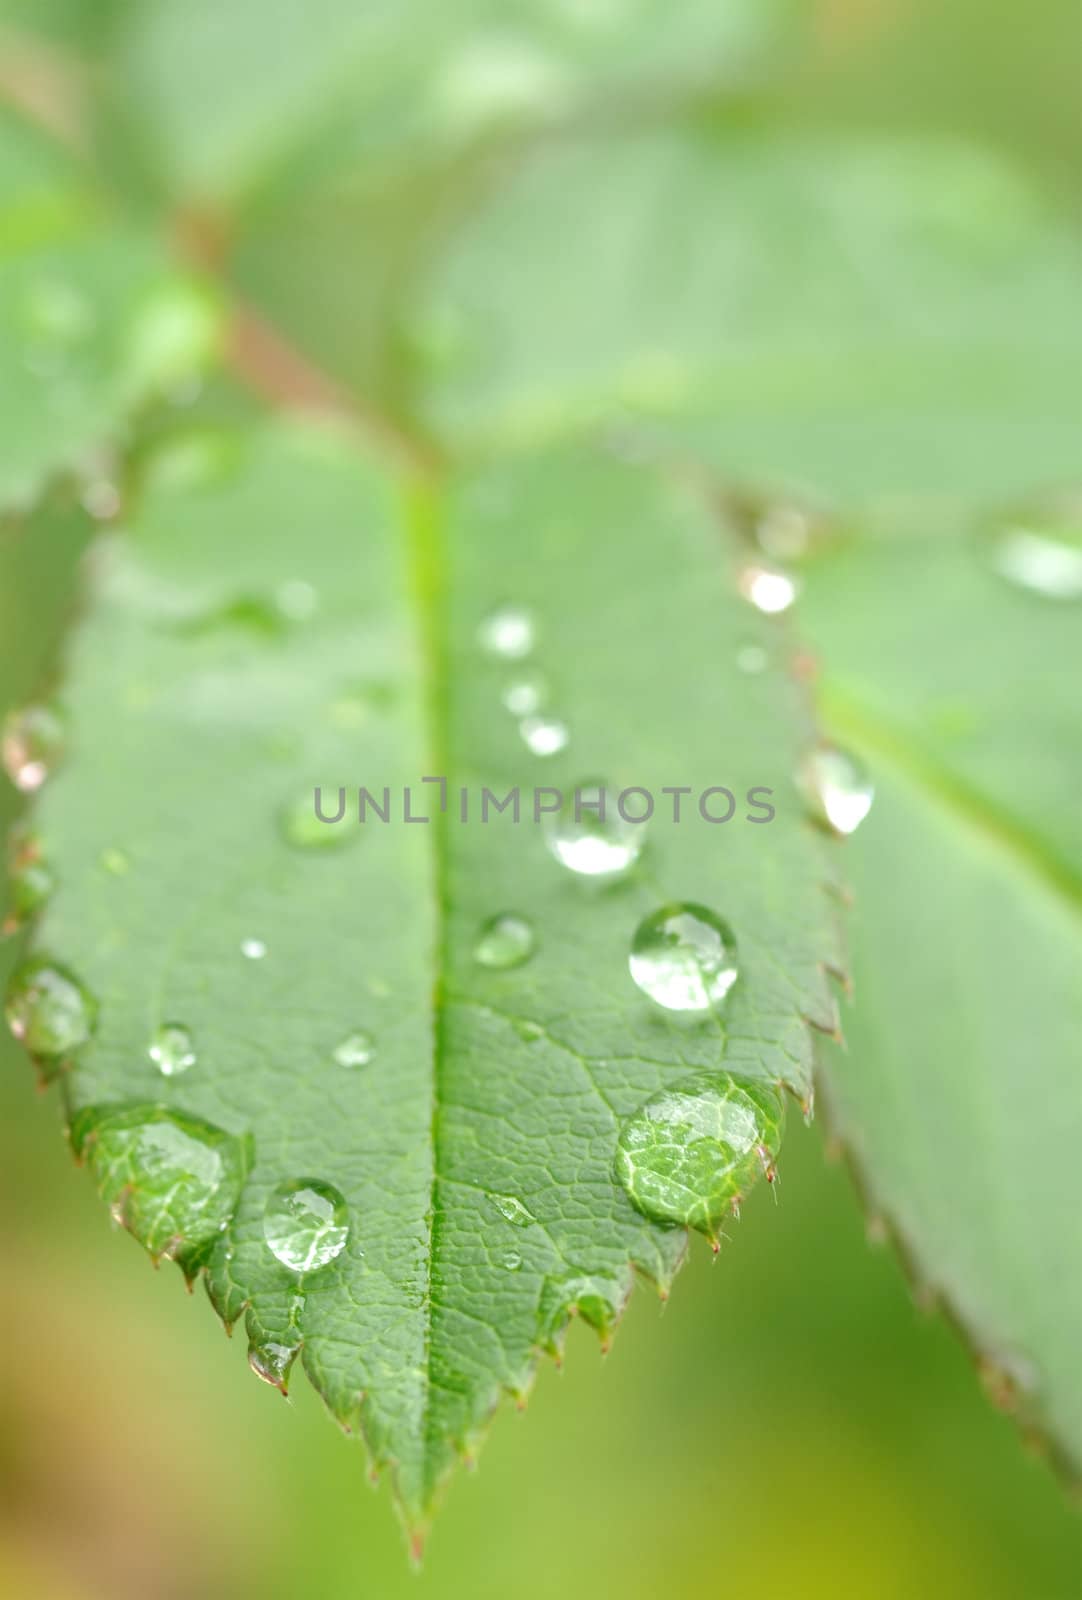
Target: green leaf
x: 424, y: 1035
x: 228, y: 93
x: 874, y: 322
x: 94, y: 322
x: 959, y: 1096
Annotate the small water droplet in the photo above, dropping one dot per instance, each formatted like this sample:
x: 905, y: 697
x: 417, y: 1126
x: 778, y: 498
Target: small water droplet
x: 511, y: 1260
x: 171, y: 1049
x: 253, y: 949
x: 272, y: 1360
x: 544, y: 736
x: 33, y: 742
x: 684, y: 957
x: 32, y: 882
x: 306, y: 1224
x: 783, y: 531
x: 49, y: 1010
x: 837, y: 787
x: 512, y: 1210
x: 751, y: 659
x: 100, y: 499
x: 115, y: 862
x: 355, y: 1050
x: 1044, y: 563
x: 506, y: 940
x: 508, y: 633
x: 688, y: 1152
x: 172, y: 1180
x: 590, y: 837
x: 529, y: 1032
x: 305, y: 830
x: 768, y: 588
x: 297, y: 600
x: 526, y: 694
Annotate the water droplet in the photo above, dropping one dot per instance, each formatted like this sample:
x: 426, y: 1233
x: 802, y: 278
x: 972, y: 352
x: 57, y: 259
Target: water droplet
x: 306, y: 1224
x: 115, y: 862
x: 508, y: 633
x: 512, y: 1210
x: 687, y: 1153
x: 1044, y: 563
x: 172, y: 1180
x: 769, y: 589
x: 526, y: 694
x: 100, y: 499
x: 511, y: 1260
x: 296, y: 600
x: 253, y: 949
x: 529, y: 1032
x: 355, y: 1050
x: 272, y: 1360
x: 589, y: 836
x: 171, y: 1049
x: 837, y: 787
x: 304, y: 830
x: 505, y: 941
x: 33, y: 742
x: 544, y: 736
x: 684, y: 957
x: 49, y: 1010
x: 783, y: 531
x: 32, y: 882
x: 751, y: 658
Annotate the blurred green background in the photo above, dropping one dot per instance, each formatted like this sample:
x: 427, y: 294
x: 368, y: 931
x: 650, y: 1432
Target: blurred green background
x: 791, y: 1425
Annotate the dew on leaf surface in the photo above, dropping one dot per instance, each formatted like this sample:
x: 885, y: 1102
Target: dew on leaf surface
x: 306, y: 1223
x: 683, y: 956
x: 48, y: 1009
x: 507, y: 633
x: 505, y: 941
x: 837, y: 786
x: 691, y: 1151
x: 590, y: 837
x: 171, y: 1049
x: 33, y: 742
x: 544, y: 735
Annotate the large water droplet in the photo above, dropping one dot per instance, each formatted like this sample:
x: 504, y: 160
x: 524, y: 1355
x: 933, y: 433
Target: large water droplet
x: 544, y: 736
x: 768, y: 588
x: 171, y: 1049
x: 691, y: 1151
x: 837, y: 787
x: 172, y: 1180
x: 33, y: 742
x: 355, y: 1050
x: 526, y: 694
x: 508, y: 633
x: 512, y: 1210
x: 49, y: 1010
x: 306, y: 1224
x: 1045, y: 563
x: 684, y: 957
x: 589, y: 835
x: 505, y: 941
